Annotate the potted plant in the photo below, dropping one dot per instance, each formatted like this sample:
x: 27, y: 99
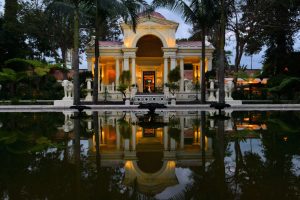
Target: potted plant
x: 174, y: 77
x: 174, y: 130
x: 197, y: 88
x: 124, y: 83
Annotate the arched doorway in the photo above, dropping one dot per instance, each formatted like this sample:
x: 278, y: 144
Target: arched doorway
x: 149, y: 67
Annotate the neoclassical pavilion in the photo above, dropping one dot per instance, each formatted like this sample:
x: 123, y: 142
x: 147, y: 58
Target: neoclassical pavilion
x: 149, y: 53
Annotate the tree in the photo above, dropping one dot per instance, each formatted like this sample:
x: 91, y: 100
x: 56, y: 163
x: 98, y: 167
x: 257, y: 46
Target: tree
x: 198, y: 13
x: 244, y: 23
x: 11, y: 77
x: 106, y: 9
x: 75, y: 8
x: 279, y: 25
x: 221, y: 36
x: 60, y: 31
x: 173, y: 77
x: 124, y: 82
x: 12, y: 40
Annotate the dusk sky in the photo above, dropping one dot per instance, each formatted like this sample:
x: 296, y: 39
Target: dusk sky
x: 184, y: 32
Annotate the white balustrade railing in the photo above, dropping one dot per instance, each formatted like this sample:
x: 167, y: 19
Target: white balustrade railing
x: 150, y: 98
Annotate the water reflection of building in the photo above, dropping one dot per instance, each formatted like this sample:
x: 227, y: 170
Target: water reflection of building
x: 150, y: 155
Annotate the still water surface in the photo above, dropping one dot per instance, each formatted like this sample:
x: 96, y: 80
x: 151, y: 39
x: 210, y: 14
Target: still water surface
x: 172, y: 155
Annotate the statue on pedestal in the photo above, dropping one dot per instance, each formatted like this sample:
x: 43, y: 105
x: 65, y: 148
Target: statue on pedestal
x: 228, y: 89
x: 68, y: 89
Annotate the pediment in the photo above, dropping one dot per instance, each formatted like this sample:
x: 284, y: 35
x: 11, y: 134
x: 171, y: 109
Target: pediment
x: 152, y: 21
x: 155, y: 21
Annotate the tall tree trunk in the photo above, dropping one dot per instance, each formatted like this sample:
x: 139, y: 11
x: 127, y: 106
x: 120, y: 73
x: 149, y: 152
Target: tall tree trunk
x: 236, y: 61
x: 203, y: 86
x: 77, y: 149
x: 75, y: 59
x: 98, y: 161
x: 222, y: 54
x: 203, y: 158
x: 97, y: 138
x: 64, y: 61
x: 96, y: 69
x: 220, y: 154
x: 239, y: 50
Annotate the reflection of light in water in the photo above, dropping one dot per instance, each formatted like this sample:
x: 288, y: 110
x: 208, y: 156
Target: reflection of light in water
x: 250, y: 127
x: 183, y: 176
x: 296, y: 165
x: 84, y: 147
x: 129, y: 164
x: 249, y: 145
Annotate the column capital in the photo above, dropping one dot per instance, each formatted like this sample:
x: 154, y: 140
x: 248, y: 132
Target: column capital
x: 129, y: 50
x: 126, y: 57
x: 171, y: 49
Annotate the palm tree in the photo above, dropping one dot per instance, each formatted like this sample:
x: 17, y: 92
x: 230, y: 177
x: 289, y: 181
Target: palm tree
x: 200, y: 13
x: 73, y: 8
x: 222, y: 53
x: 128, y: 10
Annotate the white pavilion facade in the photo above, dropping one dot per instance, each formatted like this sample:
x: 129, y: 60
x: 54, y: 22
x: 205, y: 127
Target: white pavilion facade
x: 149, y: 53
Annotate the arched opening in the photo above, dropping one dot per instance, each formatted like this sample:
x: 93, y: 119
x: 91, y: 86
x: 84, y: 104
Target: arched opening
x: 149, y: 64
x: 149, y: 46
x: 150, y: 162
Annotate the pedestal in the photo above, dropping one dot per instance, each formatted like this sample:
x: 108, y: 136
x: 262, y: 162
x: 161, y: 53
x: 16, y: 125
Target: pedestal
x: 173, y: 101
x: 89, y: 96
x: 133, y: 92
x: 89, y: 90
x: 166, y: 92
x: 127, y: 101
x: 234, y: 102
x: 211, y: 91
x: 64, y: 103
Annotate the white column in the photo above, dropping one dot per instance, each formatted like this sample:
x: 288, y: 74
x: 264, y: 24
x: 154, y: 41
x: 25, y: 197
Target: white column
x: 133, y: 71
x: 209, y: 63
x: 166, y: 138
x: 126, y: 64
x: 173, y: 62
x: 181, y: 133
x: 90, y: 64
x: 172, y: 144
x: 182, y: 75
x: 100, y: 68
x: 126, y: 144
x: 200, y: 70
x: 133, y: 140
x: 166, y: 70
x: 118, y: 137
x: 117, y: 71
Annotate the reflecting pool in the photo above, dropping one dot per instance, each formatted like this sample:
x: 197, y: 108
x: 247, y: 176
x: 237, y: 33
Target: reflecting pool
x: 135, y: 155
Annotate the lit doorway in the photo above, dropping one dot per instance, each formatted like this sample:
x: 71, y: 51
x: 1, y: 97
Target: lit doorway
x: 148, y: 81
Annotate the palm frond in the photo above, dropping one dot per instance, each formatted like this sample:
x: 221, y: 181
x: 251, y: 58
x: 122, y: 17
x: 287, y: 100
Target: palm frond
x: 178, y: 6
x: 61, y: 6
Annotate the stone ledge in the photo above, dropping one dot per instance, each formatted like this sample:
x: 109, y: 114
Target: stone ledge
x: 43, y: 108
